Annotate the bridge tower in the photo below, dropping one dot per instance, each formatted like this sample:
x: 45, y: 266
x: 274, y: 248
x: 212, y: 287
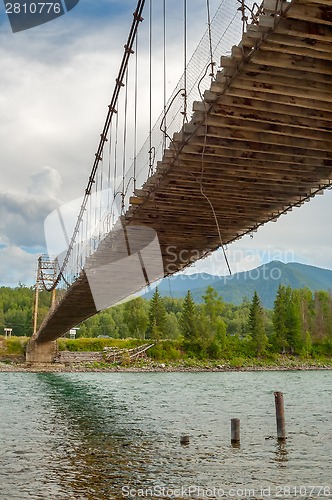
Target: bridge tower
x: 47, y: 272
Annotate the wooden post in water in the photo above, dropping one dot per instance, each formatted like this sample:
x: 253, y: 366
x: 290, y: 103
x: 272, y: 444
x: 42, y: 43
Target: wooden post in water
x: 185, y: 440
x: 235, y: 430
x: 280, y: 415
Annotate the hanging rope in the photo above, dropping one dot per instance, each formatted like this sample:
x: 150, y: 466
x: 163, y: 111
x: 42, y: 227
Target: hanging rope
x: 200, y: 180
x: 210, y: 38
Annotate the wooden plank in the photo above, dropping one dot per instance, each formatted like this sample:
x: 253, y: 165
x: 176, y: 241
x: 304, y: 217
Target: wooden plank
x: 295, y: 73
x: 312, y: 127
x: 248, y: 78
x: 285, y: 42
x: 289, y: 100
x: 217, y: 148
x: 295, y: 50
x: 319, y: 14
x: 296, y: 28
x: 264, y: 137
x: 227, y: 104
x: 263, y: 125
x: 293, y: 62
x: 323, y: 98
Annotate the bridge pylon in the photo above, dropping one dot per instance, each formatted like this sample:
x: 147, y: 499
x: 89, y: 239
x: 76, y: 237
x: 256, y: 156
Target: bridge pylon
x: 47, y: 271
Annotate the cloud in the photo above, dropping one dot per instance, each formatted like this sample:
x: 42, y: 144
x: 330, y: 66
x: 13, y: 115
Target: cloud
x: 22, y: 215
x: 46, y: 183
x: 17, y: 265
x: 22, y: 219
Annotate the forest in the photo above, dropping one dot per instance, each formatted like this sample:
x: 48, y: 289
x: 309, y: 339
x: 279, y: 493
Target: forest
x: 299, y: 324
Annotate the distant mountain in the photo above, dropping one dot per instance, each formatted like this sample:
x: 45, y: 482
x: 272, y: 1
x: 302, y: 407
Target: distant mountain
x: 264, y: 279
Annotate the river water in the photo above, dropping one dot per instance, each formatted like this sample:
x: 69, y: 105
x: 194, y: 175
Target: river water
x: 117, y: 435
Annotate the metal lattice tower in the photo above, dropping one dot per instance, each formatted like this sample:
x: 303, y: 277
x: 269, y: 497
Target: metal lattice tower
x: 47, y: 272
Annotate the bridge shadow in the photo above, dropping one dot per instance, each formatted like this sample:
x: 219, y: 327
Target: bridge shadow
x: 99, y: 452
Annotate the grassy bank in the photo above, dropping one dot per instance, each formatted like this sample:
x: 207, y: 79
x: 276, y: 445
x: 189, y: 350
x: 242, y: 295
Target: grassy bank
x: 168, y: 354
x: 12, y: 348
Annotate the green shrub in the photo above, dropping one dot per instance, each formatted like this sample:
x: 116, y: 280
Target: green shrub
x: 13, y: 346
x: 96, y: 344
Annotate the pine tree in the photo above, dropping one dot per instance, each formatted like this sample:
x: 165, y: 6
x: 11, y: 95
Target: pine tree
x: 188, y: 321
x: 157, y: 316
x: 256, y: 326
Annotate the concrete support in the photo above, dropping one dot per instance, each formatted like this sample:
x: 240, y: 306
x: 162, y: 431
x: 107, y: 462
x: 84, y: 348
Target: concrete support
x: 37, y: 352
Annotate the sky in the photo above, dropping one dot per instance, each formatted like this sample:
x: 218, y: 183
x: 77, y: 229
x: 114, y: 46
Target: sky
x: 55, y: 83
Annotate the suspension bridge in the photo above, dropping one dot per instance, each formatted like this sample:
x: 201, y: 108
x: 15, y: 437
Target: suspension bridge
x: 240, y: 142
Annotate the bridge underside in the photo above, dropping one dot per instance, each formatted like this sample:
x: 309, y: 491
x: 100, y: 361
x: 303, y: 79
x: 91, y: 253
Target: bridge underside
x: 258, y: 144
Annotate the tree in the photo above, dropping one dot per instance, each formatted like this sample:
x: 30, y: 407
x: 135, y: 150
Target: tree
x: 256, y: 326
x: 16, y: 319
x: 157, y: 316
x: 188, y: 321
x: 136, y: 317
x: 221, y: 335
x: 293, y: 323
x: 211, y: 311
x: 279, y: 319
x: 2, y: 317
x: 322, y: 315
x: 172, y: 330
x: 213, y: 304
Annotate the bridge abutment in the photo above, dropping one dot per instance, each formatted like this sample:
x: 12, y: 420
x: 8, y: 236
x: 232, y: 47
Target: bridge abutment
x: 37, y: 352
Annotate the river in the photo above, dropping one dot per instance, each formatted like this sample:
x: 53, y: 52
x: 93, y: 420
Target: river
x: 117, y: 435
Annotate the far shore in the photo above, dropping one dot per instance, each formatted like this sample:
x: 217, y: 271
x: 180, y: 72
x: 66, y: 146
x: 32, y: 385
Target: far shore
x: 20, y: 367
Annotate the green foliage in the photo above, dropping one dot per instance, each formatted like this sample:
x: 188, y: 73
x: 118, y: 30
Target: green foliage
x: 95, y: 344
x: 256, y: 326
x: 166, y: 350
x: 300, y: 324
x: 188, y: 320
x: 135, y: 315
x: 157, y: 317
x: 16, y: 306
x: 279, y: 319
x: 13, y: 346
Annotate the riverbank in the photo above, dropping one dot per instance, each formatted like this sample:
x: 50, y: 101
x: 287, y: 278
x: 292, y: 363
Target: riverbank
x: 287, y: 364
x: 93, y: 355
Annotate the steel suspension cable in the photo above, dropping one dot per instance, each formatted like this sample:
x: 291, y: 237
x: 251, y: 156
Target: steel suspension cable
x: 185, y: 57
x: 150, y: 89
x: 165, y: 74
x: 135, y: 109
x: 124, y: 146
x: 103, y: 136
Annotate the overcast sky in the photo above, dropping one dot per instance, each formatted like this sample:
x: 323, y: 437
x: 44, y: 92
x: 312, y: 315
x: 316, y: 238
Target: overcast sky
x: 55, y: 83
